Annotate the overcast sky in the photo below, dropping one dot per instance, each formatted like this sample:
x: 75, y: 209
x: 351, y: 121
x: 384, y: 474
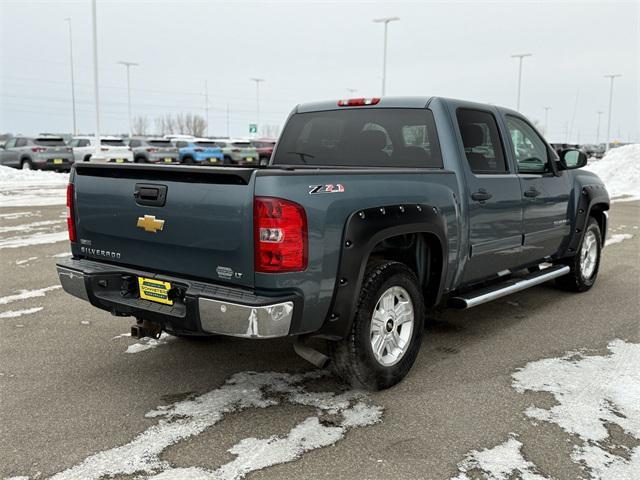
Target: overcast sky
x: 313, y: 51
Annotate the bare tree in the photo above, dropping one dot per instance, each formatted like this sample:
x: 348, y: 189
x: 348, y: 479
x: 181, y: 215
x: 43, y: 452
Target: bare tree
x: 140, y: 125
x: 165, y: 124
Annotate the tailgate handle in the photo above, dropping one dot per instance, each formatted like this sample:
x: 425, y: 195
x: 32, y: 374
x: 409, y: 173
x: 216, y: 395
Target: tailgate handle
x: 150, y: 194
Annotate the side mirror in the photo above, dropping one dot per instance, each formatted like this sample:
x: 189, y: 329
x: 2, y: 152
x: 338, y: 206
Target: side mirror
x: 571, y: 158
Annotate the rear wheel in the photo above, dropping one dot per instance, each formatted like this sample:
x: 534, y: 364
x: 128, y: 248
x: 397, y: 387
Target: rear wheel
x: 585, y: 263
x: 139, y: 160
x: 387, y: 329
x: 26, y: 164
x: 188, y: 160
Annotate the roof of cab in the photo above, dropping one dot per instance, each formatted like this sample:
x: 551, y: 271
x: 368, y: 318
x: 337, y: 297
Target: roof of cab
x: 385, y: 102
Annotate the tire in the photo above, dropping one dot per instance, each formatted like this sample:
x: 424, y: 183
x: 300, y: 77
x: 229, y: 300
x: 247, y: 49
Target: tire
x: 585, y: 263
x: 353, y: 357
x: 86, y: 158
x: 227, y: 160
x: 188, y: 160
x: 139, y: 160
x: 26, y: 164
x: 264, y: 161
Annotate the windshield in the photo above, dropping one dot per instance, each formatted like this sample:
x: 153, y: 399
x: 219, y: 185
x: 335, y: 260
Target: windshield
x: 160, y: 143
x: 207, y: 144
x: 241, y: 144
x: 50, y: 142
x: 367, y: 137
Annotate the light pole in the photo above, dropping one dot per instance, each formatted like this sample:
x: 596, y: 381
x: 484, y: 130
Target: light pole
x: 546, y: 120
x: 258, y: 82
x: 73, y: 85
x: 599, y: 112
x: 129, y: 65
x: 386, y: 22
x: 95, y: 70
x: 520, y: 56
x: 611, y: 77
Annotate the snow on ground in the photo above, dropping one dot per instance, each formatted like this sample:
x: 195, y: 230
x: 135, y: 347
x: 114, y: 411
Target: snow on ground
x: 148, y: 343
x: 619, y: 169
x: 19, y: 313
x: 188, y: 418
x: 25, y: 260
x: 29, y: 227
x: 35, y: 239
x: 14, y: 215
x: 594, y: 394
x: 617, y: 238
x: 25, y: 294
x: 502, y: 462
x: 26, y: 188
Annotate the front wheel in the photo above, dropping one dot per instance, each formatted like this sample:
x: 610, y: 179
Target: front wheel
x: 387, y: 329
x: 585, y: 263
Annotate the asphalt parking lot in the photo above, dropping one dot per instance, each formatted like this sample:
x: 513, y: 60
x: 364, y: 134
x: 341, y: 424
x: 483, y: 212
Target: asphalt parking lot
x: 73, y: 386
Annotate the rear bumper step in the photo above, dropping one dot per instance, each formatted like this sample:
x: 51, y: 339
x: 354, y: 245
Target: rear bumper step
x: 484, y: 295
x: 204, y: 307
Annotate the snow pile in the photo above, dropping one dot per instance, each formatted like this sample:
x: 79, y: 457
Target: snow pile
x: 336, y: 413
x: 20, y: 188
x: 13, y: 178
x: 619, y: 169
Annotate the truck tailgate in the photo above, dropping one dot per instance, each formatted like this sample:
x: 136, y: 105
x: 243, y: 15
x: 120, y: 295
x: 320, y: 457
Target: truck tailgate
x: 201, y: 228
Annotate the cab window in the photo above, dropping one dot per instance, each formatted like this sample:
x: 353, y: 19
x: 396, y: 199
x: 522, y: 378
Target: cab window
x: 481, y: 140
x: 529, y: 150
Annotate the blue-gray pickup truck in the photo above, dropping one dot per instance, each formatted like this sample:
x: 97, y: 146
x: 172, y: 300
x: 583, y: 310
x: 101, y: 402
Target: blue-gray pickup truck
x: 371, y: 213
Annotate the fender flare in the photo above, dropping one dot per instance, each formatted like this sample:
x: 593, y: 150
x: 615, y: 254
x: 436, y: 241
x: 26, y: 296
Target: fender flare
x: 590, y: 195
x: 363, y: 230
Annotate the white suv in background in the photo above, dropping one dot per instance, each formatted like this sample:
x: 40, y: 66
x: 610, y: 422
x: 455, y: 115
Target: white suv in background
x: 112, y: 149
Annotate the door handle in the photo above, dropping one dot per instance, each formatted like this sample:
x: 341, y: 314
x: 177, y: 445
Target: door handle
x: 532, y: 192
x: 481, y: 195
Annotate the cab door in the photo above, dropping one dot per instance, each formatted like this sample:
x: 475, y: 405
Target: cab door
x: 545, y: 191
x: 493, y: 196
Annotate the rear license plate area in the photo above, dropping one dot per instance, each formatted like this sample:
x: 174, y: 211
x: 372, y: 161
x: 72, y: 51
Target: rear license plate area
x: 154, y: 290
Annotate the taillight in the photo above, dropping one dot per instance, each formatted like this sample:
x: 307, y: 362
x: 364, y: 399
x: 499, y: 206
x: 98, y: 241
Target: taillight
x: 71, y: 222
x: 358, y: 102
x: 38, y: 149
x: 280, y: 230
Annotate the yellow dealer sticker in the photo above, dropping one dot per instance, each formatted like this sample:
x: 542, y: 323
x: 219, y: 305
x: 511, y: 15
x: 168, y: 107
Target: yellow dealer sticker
x: 155, y: 290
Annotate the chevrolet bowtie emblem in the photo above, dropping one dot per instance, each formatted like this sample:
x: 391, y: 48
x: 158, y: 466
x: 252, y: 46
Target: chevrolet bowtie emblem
x: 150, y: 224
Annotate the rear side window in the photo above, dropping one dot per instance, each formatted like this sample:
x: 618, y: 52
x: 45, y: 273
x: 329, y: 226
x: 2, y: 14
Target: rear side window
x: 21, y: 142
x: 361, y: 137
x: 50, y: 142
x: 135, y: 143
x: 182, y: 144
x: 113, y: 142
x: 482, y: 144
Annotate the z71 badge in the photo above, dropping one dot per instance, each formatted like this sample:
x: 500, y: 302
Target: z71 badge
x: 329, y: 188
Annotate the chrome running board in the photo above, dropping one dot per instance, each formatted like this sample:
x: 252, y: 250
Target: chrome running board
x: 487, y: 294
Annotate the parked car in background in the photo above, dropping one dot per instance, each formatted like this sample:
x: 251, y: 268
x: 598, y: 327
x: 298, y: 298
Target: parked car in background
x: 154, y: 150
x: 201, y: 151
x: 237, y: 151
x: 264, y: 146
x: 111, y: 149
x: 41, y: 152
x: 594, y: 150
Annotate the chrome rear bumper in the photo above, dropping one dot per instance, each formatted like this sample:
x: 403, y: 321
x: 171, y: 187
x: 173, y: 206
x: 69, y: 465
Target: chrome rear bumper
x: 219, y: 310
